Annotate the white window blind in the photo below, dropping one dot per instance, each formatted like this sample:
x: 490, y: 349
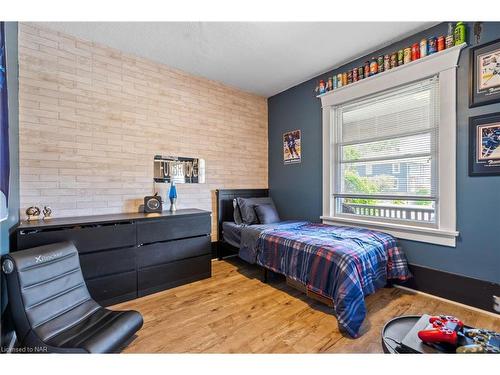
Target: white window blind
x: 397, y: 127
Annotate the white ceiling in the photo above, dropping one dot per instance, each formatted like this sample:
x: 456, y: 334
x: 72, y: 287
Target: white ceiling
x: 264, y: 58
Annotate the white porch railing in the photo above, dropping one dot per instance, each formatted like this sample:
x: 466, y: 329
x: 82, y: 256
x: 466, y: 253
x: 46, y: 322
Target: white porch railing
x: 413, y: 213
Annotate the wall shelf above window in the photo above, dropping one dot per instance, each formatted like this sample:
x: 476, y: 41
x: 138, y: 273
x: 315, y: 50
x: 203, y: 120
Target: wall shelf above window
x: 415, y: 70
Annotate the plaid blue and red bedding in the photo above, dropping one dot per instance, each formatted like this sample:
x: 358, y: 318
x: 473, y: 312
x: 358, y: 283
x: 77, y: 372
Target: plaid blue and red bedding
x: 342, y: 263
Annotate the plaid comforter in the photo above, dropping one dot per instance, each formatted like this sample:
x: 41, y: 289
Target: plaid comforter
x: 338, y: 262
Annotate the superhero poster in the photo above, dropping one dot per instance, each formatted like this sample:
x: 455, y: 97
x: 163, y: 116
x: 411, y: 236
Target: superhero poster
x: 292, y: 148
x: 484, y: 136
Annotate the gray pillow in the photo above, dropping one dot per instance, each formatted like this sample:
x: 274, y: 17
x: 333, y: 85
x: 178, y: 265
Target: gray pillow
x: 236, y: 213
x: 266, y: 213
x: 247, y: 209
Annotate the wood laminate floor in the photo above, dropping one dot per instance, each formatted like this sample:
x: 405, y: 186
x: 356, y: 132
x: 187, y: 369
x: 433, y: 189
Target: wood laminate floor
x: 235, y: 312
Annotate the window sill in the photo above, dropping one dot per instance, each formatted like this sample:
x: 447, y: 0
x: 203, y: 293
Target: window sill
x: 406, y: 232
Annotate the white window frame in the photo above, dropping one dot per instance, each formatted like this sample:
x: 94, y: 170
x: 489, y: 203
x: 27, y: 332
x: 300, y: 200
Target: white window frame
x: 444, y: 65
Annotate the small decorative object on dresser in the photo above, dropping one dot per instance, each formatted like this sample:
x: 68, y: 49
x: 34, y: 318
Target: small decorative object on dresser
x: 153, y: 204
x: 33, y: 213
x: 484, y: 79
x: 484, y: 145
x: 172, y: 195
x: 47, y: 213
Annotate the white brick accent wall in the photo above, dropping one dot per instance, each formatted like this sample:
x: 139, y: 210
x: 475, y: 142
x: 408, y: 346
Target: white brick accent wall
x: 92, y: 118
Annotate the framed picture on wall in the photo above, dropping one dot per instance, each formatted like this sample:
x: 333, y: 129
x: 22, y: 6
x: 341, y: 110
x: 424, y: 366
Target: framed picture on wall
x: 484, y: 80
x: 484, y: 145
x: 292, y: 147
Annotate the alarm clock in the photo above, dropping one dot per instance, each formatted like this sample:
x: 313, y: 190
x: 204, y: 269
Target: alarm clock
x: 153, y: 204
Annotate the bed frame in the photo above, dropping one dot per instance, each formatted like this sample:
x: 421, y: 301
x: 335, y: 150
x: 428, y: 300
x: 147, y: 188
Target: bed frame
x: 225, y: 213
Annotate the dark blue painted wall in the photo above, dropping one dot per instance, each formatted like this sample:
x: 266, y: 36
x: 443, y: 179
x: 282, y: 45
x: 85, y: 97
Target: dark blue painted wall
x: 296, y: 189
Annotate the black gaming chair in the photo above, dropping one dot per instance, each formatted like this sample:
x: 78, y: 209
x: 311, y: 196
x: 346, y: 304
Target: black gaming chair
x: 52, y: 309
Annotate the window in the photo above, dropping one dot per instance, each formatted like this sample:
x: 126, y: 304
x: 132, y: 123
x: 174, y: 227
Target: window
x: 402, y: 123
x: 381, y: 132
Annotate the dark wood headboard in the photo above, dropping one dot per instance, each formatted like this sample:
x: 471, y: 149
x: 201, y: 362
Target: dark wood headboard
x: 225, y: 203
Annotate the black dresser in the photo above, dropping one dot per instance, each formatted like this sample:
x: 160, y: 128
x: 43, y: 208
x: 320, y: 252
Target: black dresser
x: 125, y: 256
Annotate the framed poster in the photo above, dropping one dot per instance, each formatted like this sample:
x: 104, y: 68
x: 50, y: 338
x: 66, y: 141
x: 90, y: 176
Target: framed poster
x: 292, y: 148
x: 484, y: 79
x: 484, y: 145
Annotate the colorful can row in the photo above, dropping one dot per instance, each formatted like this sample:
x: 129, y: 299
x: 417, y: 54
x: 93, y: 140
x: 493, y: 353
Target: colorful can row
x: 403, y: 56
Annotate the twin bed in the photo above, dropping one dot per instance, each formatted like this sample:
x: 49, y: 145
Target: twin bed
x: 343, y: 264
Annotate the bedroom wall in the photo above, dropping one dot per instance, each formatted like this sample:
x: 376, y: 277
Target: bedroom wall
x: 13, y: 103
x: 296, y: 189
x: 11, y: 35
x: 92, y: 118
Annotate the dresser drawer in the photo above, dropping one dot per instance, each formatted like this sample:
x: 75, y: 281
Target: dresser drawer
x: 108, y: 262
x: 113, y: 289
x: 172, y: 228
x: 86, y: 238
x: 164, y: 252
x: 170, y: 275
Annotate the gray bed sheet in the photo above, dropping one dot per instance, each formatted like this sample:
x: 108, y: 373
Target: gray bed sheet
x: 245, y: 237
x: 232, y: 233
